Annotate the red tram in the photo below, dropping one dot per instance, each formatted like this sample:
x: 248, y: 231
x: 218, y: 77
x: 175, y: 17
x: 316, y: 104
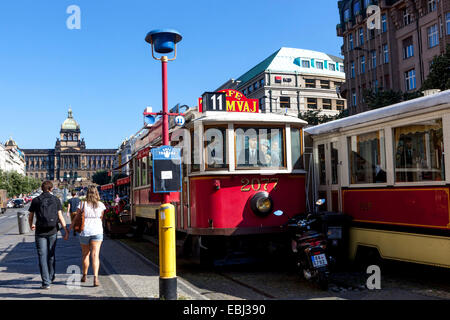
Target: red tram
x: 242, y: 174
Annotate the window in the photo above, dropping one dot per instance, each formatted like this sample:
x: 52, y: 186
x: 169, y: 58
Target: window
x: 296, y: 148
x: 325, y: 84
x: 326, y: 104
x: 367, y: 3
x: 195, y: 156
x: 244, y: 92
x: 350, y: 41
x: 322, y: 168
x: 353, y: 69
x: 332, y: 66
x: 406, y: 17
x: 433, y: 39
x: 385, y: 53
x: 261, y: 83
x: 354, y: 100
x: 259, y: 148
x: 431, y: 5
x: 255, y: 86
x: 334, y: 163
x: 374, y: 59
x: 312, y: 103
x: 419, y: 154
x: 361, y: 36
x: 250, y: 89
x: 367, y: 158
x: 319, y: 65
x: 285, y: 102
x: 383, y: 23
x: 305, y: 64
x: 447, y: 15
x: 215, y: 148
x: 310, y: 83
x: 340, y: 105
x: 346, y: 15
x: 356, y: 7
x: 410, y: 79
x: 144, y: 173
x: 363, y: 64
x: 408, y: 48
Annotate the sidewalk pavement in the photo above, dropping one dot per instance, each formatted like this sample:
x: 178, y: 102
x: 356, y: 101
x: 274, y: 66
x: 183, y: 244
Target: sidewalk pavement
x: 124, y: 273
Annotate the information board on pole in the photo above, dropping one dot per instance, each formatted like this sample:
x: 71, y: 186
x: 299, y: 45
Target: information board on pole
x: 166, y: 169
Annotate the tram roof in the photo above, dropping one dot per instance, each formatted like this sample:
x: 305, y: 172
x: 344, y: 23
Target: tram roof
x: 245, y: 117
x: 402, y: 108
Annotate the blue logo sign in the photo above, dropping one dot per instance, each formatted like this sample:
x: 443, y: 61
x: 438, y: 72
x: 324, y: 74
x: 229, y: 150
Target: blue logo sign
x: 180, y: 121
x: 166, y: 153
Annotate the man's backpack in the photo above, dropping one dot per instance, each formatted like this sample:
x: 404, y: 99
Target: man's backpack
x: 48, y: 216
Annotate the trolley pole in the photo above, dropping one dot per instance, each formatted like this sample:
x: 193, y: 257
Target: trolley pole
x: 164, y: 41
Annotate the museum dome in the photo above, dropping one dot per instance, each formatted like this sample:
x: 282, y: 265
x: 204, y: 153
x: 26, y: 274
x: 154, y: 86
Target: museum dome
x: 70, y: 123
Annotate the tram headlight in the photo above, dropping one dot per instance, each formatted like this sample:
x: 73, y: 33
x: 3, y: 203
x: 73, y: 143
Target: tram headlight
x: 261, y: 204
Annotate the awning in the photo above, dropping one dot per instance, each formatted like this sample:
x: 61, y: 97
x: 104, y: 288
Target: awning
x: 107, y: 186
x: 123, y: 181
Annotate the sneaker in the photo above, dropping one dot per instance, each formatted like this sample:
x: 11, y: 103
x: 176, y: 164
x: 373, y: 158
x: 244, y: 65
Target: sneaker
x: 45, y: 286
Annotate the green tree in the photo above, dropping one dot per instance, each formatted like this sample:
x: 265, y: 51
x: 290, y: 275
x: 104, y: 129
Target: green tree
x: 382, y: 98
x: 439, y: 76
x: 16, y: 184
x: 101, y: 177
x: 314, y: 118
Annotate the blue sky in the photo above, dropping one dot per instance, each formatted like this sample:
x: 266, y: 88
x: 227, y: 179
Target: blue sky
x: 105, y: 70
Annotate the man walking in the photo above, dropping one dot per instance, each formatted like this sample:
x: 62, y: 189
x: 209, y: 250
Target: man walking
x: 48, y: 212
x: 74, y: 203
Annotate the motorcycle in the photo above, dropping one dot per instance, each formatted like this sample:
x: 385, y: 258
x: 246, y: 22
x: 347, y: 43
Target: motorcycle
x: 309, y: 246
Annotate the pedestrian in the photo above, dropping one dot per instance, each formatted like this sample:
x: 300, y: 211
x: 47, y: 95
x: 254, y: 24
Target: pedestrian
x: 91, y: 236
x: 48, y: 211
x: 117, y: 200
x: 72, y: 207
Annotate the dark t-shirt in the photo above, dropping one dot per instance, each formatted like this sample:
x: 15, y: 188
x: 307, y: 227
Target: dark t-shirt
x: 74, y: 203
x: 35, y: 207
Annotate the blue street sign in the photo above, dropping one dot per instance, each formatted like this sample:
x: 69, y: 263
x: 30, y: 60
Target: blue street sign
x: 150, y: 119
x: 180, y: 121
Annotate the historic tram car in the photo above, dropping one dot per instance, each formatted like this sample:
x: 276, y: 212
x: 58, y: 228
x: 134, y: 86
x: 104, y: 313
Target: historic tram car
x: 386, y: 168
x: 242, y: 177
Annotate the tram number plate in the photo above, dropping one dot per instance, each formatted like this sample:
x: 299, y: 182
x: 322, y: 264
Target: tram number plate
x: 319, y: 260
x: 257, y: 184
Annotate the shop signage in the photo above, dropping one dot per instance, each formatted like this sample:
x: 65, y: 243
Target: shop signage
x: 228, y: 100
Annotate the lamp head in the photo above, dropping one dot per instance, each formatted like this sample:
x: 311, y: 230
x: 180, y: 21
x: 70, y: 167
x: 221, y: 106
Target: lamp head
x: 163, y: 40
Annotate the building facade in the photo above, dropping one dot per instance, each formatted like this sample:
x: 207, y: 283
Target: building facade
x: 294, y: 81
x: 123, y: 156
x: 69, y: 162
x: 11, y: 158
x: 394, y: 54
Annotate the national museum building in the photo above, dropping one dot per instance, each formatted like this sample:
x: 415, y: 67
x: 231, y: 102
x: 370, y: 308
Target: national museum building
x: 70, y: 161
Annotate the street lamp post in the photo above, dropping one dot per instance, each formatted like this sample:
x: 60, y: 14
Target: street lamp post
x: 164, y: 41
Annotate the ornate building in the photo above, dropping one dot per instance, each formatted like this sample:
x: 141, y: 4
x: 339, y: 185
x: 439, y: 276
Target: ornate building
x: 69, y: 162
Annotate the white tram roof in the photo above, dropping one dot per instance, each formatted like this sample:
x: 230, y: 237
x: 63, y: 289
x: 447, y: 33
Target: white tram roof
x: 402, y: 108
x: 247, y: 117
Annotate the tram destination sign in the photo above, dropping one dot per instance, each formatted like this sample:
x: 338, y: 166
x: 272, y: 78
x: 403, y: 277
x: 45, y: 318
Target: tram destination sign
x: 166, y: 169
x: 227, y: 100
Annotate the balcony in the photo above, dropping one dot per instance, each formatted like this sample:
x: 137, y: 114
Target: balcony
x: 339, y: 30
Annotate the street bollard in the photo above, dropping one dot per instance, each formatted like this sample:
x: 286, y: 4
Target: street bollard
x: 22, y: 220
x: 167, y: 253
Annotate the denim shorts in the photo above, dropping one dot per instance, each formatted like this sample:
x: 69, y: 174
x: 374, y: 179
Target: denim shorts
x: 88, y: 239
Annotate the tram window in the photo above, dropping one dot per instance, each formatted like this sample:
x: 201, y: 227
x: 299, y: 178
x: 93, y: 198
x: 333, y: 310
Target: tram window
x: 334, y: 163
x: 259, y: 148
x: 144, y: 171
x: 296, y: 148
x: 367, y: 158
x: 195, y: 155
x: 322, y: 172
x: 419, y: 152
x: 138, y: 172
x: 215, y: 148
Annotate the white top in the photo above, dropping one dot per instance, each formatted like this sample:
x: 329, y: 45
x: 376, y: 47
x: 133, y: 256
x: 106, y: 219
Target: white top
x: 92, y: 219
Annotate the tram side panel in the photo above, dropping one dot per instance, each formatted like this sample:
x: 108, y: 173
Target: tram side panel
x: 409, y: 224
x: 222, y: 205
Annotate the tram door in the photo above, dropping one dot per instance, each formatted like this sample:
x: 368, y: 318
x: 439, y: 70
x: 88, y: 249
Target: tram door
x: 328, y: 170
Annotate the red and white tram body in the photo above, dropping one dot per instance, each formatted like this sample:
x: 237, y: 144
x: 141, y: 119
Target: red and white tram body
x: 224, y: 192
x: 388, y: 170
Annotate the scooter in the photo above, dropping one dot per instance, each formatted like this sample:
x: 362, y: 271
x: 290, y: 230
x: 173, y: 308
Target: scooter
x: 310, y: 248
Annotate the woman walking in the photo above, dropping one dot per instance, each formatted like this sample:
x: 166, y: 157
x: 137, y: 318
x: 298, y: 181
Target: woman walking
x: 91, y: 236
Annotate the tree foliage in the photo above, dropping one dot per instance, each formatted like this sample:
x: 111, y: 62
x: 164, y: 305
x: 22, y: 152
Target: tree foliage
x: 16, y: 184
x: 314, y: 118
x: 101, y: 177
x: 439, y: 76
x: 382, y: 98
